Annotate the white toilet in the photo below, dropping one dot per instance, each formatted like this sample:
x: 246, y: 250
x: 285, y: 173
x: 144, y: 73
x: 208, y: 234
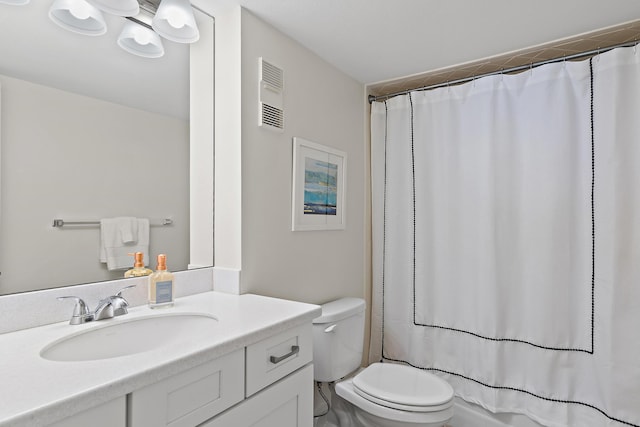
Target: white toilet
x: 383, y: 394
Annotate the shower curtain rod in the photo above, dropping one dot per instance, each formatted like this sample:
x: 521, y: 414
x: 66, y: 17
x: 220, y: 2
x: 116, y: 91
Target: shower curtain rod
x: 373, y: 98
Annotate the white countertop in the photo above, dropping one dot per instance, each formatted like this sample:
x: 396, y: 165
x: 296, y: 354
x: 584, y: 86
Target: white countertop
x: 36, y: 392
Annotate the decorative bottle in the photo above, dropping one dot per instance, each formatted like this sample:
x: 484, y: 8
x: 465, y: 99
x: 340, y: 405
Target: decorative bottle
x: 161, y: 285
x: 138, y: 269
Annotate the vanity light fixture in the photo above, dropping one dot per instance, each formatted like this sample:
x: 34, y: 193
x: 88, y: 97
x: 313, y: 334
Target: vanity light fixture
x: 14, y: 2
x: 146, y: 21
x: 140, y: 40
x: 78, y: 16
x: 117, y: 7
x: 174, y: 21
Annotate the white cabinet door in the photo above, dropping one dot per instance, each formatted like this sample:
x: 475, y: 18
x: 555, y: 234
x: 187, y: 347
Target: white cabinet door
x: 287, y: 403
x: 189, y: 398
x: 110, y: 414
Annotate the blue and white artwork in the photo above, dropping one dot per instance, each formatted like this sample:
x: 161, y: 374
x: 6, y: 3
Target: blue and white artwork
x: 320, y: 187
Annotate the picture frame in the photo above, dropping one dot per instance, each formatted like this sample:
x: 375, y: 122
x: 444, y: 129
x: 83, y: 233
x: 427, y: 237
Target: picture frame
x: 319, y: 187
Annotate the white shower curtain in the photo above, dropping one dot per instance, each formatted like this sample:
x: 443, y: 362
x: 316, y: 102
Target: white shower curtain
x: 506, y: 239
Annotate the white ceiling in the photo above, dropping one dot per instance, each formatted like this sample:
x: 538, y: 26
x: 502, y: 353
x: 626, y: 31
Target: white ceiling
x: 378, y: 40
x: 370, y: 40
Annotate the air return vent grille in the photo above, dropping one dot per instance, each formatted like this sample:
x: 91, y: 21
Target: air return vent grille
x: 272, y: 116
x: 271, y: 113
x: 272, y: 76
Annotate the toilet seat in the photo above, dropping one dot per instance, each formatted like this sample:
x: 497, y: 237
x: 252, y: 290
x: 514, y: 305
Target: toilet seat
x: 346, y: 390
x: 403, y: 388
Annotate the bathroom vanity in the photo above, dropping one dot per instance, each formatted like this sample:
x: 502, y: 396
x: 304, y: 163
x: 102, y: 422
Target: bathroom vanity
x: 226, y: 360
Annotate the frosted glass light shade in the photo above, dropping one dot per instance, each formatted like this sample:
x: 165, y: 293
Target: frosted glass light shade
x: 174, y: 21
x: 78, y: 16
x: 117, y: 7
x: 140, y: 41
x: 14, y: 2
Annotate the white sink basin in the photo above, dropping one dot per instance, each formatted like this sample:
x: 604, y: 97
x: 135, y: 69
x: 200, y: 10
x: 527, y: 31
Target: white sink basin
x: 129, y: 337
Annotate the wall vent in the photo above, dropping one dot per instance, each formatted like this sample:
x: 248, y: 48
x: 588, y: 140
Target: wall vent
x: 271, y: 112
x: 272, y: 76
x: 272, y: 117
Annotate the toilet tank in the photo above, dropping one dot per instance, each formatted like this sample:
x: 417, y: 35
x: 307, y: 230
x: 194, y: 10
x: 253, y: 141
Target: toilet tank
x: 338, y: 338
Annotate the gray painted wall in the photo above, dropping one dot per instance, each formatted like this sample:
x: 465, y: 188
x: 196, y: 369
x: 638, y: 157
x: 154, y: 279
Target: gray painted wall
x: 322, y: 105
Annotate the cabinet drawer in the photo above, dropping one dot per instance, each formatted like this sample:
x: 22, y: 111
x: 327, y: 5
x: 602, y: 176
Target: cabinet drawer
x: 275, y: 357
x: 189, y: 398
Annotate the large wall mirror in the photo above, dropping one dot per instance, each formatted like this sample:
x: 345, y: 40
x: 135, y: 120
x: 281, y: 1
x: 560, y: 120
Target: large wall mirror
x: 87, y: 131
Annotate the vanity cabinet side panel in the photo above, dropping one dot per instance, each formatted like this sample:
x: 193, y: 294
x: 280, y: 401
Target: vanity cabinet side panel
x: 287, y: 403
x: 110, y: 414
x: 189, y: 398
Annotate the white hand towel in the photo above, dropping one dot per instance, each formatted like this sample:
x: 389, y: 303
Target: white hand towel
x: 121, y: 236
x: 128, y: 227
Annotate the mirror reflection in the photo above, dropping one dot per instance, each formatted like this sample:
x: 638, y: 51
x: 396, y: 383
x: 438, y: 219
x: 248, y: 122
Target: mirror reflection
x: 87, y: 132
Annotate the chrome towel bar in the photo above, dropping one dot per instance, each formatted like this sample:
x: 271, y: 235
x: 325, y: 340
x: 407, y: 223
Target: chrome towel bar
x: 59, y: 223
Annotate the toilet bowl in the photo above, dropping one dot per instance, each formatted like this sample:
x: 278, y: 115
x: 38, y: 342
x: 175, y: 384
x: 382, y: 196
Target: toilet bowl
x: 391, y: 395
x: 382, y: 394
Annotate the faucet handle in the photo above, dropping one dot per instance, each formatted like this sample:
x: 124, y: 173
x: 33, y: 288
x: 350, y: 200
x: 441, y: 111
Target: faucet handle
x: 119, y: 303
x: 81, y: 313
x: 118, y: 294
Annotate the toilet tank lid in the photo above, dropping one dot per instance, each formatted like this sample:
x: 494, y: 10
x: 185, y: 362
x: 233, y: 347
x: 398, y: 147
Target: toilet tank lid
x: 340, y: 309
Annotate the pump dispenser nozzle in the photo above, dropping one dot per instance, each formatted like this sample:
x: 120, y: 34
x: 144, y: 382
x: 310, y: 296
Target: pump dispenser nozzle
x: 162, y: 262
x: 139, y: 259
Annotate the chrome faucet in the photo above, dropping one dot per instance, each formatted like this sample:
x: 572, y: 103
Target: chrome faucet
x: 107, y: 308
x: 81, y: 313
x: 104, y: 310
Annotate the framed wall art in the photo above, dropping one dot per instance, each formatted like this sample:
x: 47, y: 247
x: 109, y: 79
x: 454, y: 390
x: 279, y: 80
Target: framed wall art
x: 319, y: 183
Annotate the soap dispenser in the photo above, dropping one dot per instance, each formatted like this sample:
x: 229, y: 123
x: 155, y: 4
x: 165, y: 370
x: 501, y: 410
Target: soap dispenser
x: 161, y: 285
x: 138, y: 269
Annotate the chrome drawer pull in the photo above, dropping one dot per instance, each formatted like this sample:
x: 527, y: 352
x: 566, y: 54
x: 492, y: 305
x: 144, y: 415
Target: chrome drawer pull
x: 294, y: 350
